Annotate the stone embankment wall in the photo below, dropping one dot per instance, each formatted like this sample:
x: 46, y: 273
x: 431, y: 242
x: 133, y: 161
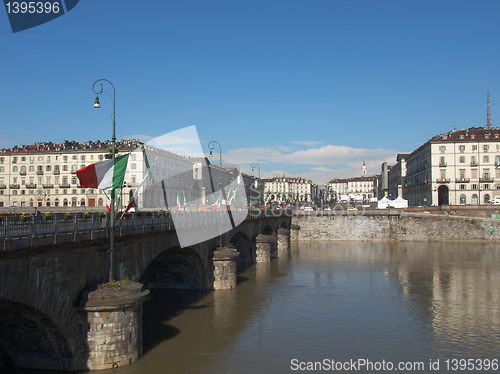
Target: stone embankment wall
x: 396, y: 226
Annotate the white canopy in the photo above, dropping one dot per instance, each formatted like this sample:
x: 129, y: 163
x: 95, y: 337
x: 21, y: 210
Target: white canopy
x: 383, y: 203
x: 399, y: 202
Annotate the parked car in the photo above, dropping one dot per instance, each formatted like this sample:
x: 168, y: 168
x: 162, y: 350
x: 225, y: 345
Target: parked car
x: 495, y: 201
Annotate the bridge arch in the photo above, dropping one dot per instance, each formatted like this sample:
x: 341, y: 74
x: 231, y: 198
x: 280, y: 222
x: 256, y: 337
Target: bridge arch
x: 267, y: 230
x: 176, y: 268
x: 28, y: 338
x: 244, y: 247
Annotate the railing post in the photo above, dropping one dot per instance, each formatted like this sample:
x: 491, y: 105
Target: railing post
x: 33, y: 227
x: 75, y: 224
x: 55, y: 224
x: 7, y: 229
x: 92, y: 224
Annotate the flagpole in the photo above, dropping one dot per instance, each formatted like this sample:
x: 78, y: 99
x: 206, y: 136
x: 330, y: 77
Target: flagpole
x: 211, y: 146
x: 113, y: 141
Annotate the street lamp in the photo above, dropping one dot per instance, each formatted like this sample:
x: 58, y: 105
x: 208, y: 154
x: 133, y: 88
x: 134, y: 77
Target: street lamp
x: 253, y: 164
x: 113, y: 141
x: 211, y: 146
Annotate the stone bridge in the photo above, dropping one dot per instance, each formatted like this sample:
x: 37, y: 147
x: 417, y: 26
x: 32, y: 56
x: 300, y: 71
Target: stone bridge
x: 49, y: 320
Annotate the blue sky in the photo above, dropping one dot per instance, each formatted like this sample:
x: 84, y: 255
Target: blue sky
x: 313, y: 88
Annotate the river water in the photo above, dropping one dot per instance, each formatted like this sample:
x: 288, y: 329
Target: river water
x: 433, y: 308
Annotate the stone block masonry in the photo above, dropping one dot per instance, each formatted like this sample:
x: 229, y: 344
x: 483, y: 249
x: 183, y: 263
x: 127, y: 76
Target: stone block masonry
x: 400, y: 227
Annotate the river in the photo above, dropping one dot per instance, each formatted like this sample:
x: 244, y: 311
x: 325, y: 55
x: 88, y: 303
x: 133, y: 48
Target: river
x: 414, y: 307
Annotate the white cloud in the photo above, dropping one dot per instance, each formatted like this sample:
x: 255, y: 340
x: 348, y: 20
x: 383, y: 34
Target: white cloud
x: 327, y: 162
x: 308, y: 143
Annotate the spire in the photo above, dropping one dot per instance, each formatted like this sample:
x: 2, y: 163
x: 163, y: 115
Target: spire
x: 363, y: 173
x: 488, y: 116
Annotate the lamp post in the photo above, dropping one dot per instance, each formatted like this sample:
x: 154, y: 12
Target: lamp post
x: 211, y: 146
x: 253, y: 164
x: 113, y: 141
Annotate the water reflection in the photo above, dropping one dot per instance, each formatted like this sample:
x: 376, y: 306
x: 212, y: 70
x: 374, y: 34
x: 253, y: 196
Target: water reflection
x: 342, y: 301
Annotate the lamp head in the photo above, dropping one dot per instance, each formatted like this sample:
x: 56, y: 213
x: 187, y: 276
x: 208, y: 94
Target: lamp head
x: 211, y: 154
x: 97, y: 104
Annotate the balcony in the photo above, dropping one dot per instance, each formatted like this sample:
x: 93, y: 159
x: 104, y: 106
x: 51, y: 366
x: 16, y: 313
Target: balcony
x: 64, y: 185
x: 56, y: 172
x: 31, y: 186
x: 462, y: 180
x: 3, y: 186
x: 39, y: 172
x: 22, y: 172
x: 15, y: 186
x: 442, y: 164
x: 443, y: 180
x: 473, y: 163
x: 486, y: 180
x: 47, y: 186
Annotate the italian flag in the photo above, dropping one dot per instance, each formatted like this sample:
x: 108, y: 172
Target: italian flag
x: 104, y: 175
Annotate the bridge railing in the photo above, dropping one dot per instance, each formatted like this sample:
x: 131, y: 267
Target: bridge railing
x: 29, y: 226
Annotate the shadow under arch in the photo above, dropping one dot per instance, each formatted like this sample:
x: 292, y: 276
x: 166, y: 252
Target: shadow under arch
x: 30, y: 339
x: 244, y: 247
x: 267, y: 230
x: 176, y: 268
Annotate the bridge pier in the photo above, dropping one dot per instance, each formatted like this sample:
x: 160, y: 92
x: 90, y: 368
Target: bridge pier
x: 294, y: 232
x: 225, y: 271
x: 111, y: 326
x: 263, y: 248
x: 283, y: 239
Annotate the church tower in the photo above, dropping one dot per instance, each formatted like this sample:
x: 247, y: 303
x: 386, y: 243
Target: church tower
x: 363, y: 172
x: 488, y: 115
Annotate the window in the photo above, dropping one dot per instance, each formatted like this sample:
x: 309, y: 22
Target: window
x: 74, y: 157
x: 65, y: 168
x: 2, y: 160
x: 14, y: 169
x: 441, y: 161
x: 473, y: 160
x: 461, y: 148
x: 442, y: 148
x: 133, y: 166
x: 485, y: 147
x: 486, y: 199
x: 462, y: 186
x: 32, y: 168
x: 443, y: 174
x: 486, y: 186
x: 486, y: 159
x: 14, y: 160
x: 48, y: 158
x: 65, y: 158
x: 474, y: 187
x: 1, y: 169
x: 83, y: 158
x: 40, y: 158
x: 474, y: 147
x: 73, y: 180
x: 48, y: 168
x: 23, y: 158
x: 462, y: 159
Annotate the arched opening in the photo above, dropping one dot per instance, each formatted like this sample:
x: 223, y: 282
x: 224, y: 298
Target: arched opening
x: 28, y: 338
x: 443, y: 195
x: 268, y: 230
x: 486, y: 198
x: 474, y: 200
x: 463, y: 199
x: 243, y: 246
x: 176, y: 269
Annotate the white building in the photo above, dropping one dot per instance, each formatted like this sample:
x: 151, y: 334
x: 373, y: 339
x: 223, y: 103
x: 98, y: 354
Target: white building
x: 459, y: 167
x: 292, y: 190
x: 363, y: 186
x: 44, y: 175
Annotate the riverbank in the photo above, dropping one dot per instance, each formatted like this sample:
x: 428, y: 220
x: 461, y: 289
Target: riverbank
x: 397, y: 226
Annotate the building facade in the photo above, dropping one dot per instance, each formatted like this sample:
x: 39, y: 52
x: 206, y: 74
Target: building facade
x: 356, y: 188
x: 290, y: 190
x: 459, y: 167
x: 44, y: 175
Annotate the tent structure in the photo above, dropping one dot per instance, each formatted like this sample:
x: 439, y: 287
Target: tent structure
x: 398, y: 202
x: 383, y: 203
